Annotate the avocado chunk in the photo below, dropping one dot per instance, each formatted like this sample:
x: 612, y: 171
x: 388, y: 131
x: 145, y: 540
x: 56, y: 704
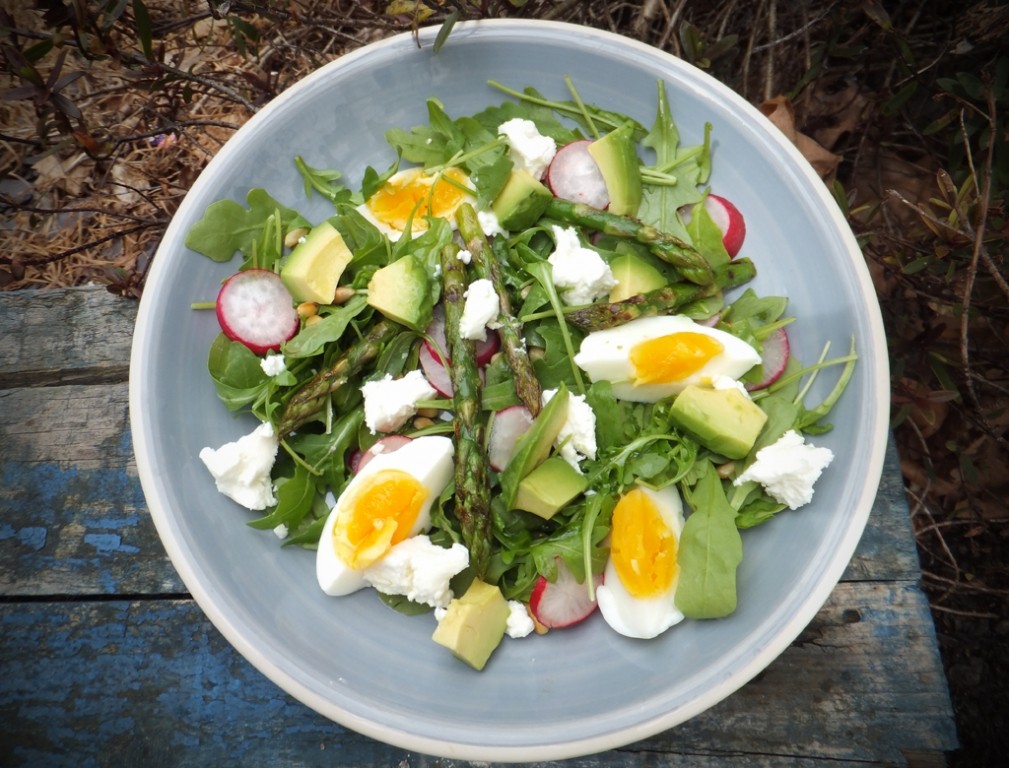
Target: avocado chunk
x: 618, y: 162
x: 474, y: 624
x: 312, y: 270
x: 723, y: 420
x: 521, y: 201
x: 401, y: 292
x: 535, y: 444
x: 549, y: 487
x: 634, y: 275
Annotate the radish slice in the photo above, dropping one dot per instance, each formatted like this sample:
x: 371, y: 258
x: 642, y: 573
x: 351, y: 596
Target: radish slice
x: 574, y: 175
x: 387, y: 444
x: 508, y: 426
x: 485, y: 349
x: 255, y: 308
x: 436, y: 373
x: 773, y: 360
x: 729, y: 220
x: 561, y: 603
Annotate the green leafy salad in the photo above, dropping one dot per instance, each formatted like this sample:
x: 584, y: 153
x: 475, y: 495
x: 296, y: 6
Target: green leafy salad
x: 516, y: 377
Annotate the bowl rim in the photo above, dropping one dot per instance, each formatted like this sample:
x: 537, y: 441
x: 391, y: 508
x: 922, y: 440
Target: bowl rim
x: 152, y: 480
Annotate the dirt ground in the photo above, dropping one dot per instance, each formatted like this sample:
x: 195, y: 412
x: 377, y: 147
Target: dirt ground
x: 107, y: 117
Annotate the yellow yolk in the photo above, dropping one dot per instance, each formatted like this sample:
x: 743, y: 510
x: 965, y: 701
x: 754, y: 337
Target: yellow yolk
x: 379, y: 514
x: 642, y: 546
x: 672, y: 357
x: 412, y: 193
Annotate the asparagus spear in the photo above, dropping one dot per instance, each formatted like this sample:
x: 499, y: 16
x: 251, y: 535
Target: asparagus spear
x: 310, y: 397
x: 691, y: 264
x: 662, y: 301
x: 472, y: 487
x: 527, y: 386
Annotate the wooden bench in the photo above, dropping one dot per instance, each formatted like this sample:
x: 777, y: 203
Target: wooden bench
x: 106, y: 661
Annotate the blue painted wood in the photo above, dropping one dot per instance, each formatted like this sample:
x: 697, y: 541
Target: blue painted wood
x: 153, y: 683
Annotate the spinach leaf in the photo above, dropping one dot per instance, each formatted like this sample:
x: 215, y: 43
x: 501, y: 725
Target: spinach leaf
x: 710, y: 551
x: 312, y: 339
x: 227, y: 227
x: 236, y: 372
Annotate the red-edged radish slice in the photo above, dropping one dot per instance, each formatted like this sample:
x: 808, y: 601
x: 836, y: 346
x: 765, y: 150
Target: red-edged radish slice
x: 728, y: 219
x: 561, y: 603
x: 255, y: 308
x: 484, y: 351
x: 436, y: 373
x: 487, y: 348
x: 387, y: 444
x: 773, y: 360
x: 574, y: 175
x: 508, y: 425
x: 436, y: 332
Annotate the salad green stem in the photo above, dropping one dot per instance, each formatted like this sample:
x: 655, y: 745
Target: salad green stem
x: 527, y: 385
x: 680, y: 254
x: 472, y: 481
x: 311, y: 397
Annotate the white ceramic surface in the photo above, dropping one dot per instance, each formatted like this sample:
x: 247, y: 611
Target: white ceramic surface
x: 376, y: 671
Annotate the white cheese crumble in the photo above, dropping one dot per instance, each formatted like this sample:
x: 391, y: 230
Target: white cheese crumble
x: 464, y: 256
x: 489, y: 223
x: 419, y: 570
x: 788, y: 468
x: 281, y: 531
x: 577, y: 438
x: 389, y: 402
x: 528, y: 149
x: 273, y: 365
x: 241, y: 469
x: 721, y: 381
x: 579, y: 273
x: 520, y: 623
x: 482, y: 307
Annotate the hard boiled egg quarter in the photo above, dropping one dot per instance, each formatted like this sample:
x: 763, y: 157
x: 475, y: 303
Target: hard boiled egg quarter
x: 414, y: 193
x: 637, y: 595
x: 652, y: 358
x: 388, y: 501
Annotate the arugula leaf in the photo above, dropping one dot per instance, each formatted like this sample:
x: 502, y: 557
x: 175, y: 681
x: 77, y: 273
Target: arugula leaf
x: 227, y: 227
x: 705, y: 235
x: 322, y: 181
x: 294, y: 500
x: 710, y: 551
x: 312, y: 339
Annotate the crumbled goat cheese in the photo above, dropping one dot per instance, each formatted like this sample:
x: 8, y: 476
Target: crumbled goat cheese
x: 273, y: 365
x: 577, y: 438
x: 281, y: 531
x: 489, y: 223
x: 579, y: 273
x: 788, y: 468
x: 464, y: 256
x: 389, y: 402
x: 721, y: 381
x: 520, y: 623
x: 419, y: 570
x: 482, y: 308
x: 528, y: 149
x: 242, y: 469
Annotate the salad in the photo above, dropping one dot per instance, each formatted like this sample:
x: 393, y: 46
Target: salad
x: 516, y: 377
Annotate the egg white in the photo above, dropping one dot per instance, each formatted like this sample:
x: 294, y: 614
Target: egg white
x: 638, y: 617
x: 429, y: 460
x: 605, y: 356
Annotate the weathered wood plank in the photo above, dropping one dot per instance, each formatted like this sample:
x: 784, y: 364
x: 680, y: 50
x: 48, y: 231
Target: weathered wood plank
x: 143, y: 683
x: 73, y: 520
x: 64, y: 336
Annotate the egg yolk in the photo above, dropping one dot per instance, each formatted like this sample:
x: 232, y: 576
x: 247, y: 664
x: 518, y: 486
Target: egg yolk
x: 380, y: 513
x: 413, y: 193
x: 672, y: 357
x: 642, y: 546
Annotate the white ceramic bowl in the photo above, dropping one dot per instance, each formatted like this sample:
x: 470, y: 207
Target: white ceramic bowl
x: 376, y: 671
